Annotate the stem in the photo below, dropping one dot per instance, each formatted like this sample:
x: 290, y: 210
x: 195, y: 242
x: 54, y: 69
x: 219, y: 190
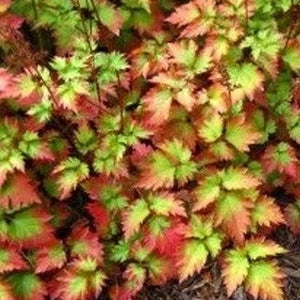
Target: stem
x: 291, y: 28
x: 97, y: 90
x: 36, y: 16
x: 50, y: 6
x: 27, y: 259
x: 98, y: 106
x: 24, y: 52
x: 121, y: 102
x: 289, y: 35
x: 85, y: 31
x: 87, y: 37
x: 247, y: 15
x: 90, y: 23
x: 95, y: 11
x: 139, y: 193
x: 34, y: 9
x: 229, y: 92
x: 46, y: 85
x: 225, y: 75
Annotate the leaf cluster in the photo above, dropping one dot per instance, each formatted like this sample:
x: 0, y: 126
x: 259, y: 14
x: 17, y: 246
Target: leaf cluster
x: 141, y: 140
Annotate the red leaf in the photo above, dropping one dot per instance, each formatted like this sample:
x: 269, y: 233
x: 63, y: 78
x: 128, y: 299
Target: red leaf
x: 196, y: 15
x: 36, y: 231
x: 11, y: 260
x: 5, y: 291
x: 8, y: 88
x: 158, y: 102
x: 101, y: 217
x: 233, y: 210
x: 85, y: 243
x: 18, y: 191
x: 50, y: 258
x: 266, y: 212
x: 170, y: 236
x: 281, y: 158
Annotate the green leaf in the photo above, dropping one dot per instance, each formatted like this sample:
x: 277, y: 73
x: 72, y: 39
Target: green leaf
x: 27, y: 85
x: 114, y: 61
x: 139, y: 19
x: 261, y: 249
x: 207, y: 191
x: 109, y: 123
x: 172, y: 162
x: 25, y: 225
x: 110, y: 65
x: 42, y: 111
x: 132, y: 133
x: 283, y: 154
x: 77, y: 286
x: 284, y: 4
x: 193, y: 258
x: 141, y: 254
x: 134, y: 217
x: 184, y: 52
x: 214, y: 244
x: 203, y: 230
x: 265, y: 42
x: 97, y: 281
x: 69, y: 69
x: 185, y: 168
x: 109, y: 158
x: 86, y: 139
x: 238, y: 178
x: 232, y: 209
x: 136, y: 275
x: 87, y: 264
x: 157, y: 266
x: 157, y: 225
x: 4, y: 257
x: 110, y: 17
x: 279, y: 91
x: 235, y: 270
x: 119, y: 252
x: 295, y: 132
x: 69, y: 91
x: 222, y: 150
x: 71, y: 172
x: 10, y: 160
x: 25, y: 285
x: 8, y: 133
x: 212, y: 128
x: 112, y: 198
x: 241, y: 134
x: 30, y: 144
x: 266, y: 213
x: 198, y: 228
x: 57, y: 254
x: 292, y: 58
x: 247, y: 76
x: 264, y: 280
x: 164, y: 204
x: 145, y: 4
x: 82, y: 280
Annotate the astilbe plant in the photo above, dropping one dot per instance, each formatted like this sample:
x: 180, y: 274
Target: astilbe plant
x: 141, y: 139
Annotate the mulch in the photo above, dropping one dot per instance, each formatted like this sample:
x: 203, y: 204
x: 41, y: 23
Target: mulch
x: 208, y: 285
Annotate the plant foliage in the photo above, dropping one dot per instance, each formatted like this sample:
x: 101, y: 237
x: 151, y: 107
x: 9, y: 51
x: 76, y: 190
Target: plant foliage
x: 141, y: 139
